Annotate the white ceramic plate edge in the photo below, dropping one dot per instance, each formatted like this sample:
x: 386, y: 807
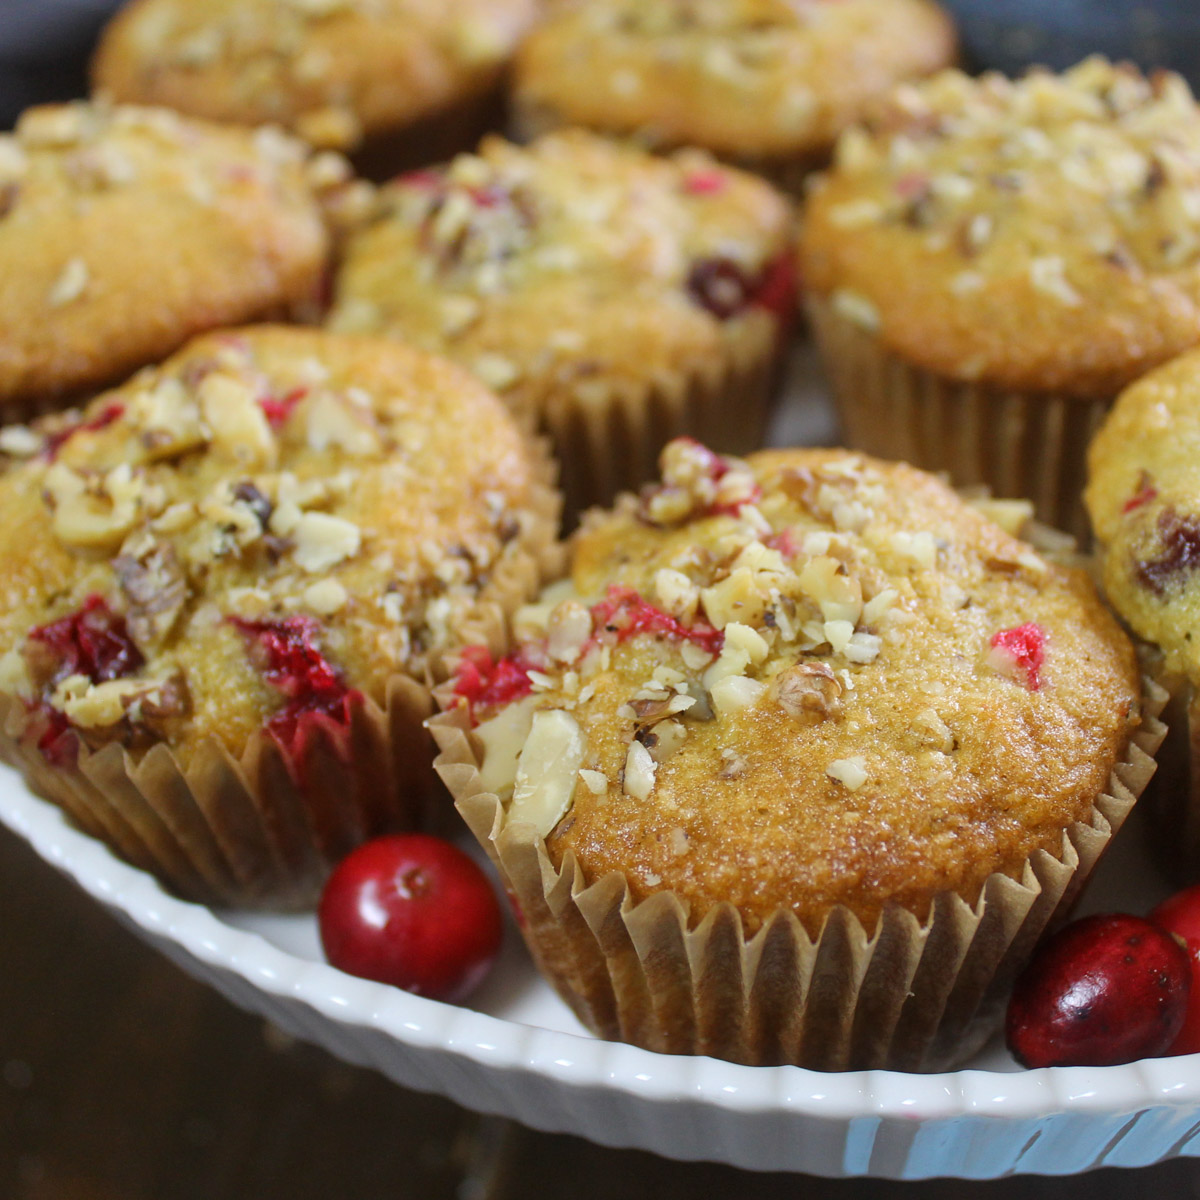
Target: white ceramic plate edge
x: 970, y: 1124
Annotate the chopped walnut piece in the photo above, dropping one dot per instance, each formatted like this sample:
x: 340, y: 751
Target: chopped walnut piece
x: 808, y: 691
x: 548, y: 770
x: 156, y: 589
x: 639, y: 773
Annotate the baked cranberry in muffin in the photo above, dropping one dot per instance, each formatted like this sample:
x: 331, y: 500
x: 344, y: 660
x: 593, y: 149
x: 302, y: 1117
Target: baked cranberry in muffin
x: 258, y: 555
x: 613, y: 297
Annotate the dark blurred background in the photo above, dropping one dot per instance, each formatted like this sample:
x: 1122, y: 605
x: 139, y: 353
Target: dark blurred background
x: 44, y: 43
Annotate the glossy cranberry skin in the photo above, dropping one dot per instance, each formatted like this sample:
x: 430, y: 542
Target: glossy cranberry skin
x: 413, y: 911
x: 1104, y: 990
x: 1180, y: 915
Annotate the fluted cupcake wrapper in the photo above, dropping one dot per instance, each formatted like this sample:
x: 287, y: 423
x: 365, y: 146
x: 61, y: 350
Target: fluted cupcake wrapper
x: 434, y: 138
x: 528, y: 121
x: 907, y: 995
x: 1026, y: 444
x: 608, y: 439
x: 258, y: 829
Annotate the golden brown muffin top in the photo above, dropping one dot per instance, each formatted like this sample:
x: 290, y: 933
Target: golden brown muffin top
x: 807, y: 679
x: 747, y: 79
x: 1039, y: 234
x: 571, y: 264
x: 1143, y: 496
x: 273, y: 517
x: 123, y: 231
x: 335, y: 71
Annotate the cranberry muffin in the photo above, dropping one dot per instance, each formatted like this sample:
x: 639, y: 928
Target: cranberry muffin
x: 228, y: 585
x: 1143, y: 496
x: 989, y: 262
x: 800, y: 761
x: 387, y: 80
x: 613, y: 297
x: 766, y: 84
x: 125, y: 231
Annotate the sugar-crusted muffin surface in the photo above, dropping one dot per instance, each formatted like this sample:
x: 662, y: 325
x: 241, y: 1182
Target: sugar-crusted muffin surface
x: 752, y: 79
x: 807, y: 679
x: 335, y: 71
x: 123, y: 231
x: 569, y: 267
x: 1037, y: 234
x: 1143, y: 496
x: 272, y: 520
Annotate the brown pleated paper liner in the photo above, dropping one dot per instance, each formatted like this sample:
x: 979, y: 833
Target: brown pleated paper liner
x: 790, y: 173
x: 244, y: 831
x: 608, y: 439
x: 433, y: 138
x: 252, y: 830
x: 1020, y: 444
x: 908, y: 995
x: 1172, y: 802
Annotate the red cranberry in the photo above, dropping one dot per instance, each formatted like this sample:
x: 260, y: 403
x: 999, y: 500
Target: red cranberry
x: 1104, y: 990
x: 106, y: 417
x: 1144, y: 493
x: 1180, y: 915
x: 278, y: 409
x: 625, y: 613
x: 413, y: 911
x: 720, y: 286
x: 483, y: 681
x: 91, y: 642
x: 286, y: 652
x: 1025, y: 648
x: 1180, y: 555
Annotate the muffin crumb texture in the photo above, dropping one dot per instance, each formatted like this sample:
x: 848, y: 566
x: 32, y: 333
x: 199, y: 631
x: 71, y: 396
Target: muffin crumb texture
x: 752, y: 80
x: 336, y: 72
x: 803, y: 680
x: 1038, y: 234
x: 1143, y: 496
x: 256, y: 535
x: 124, y: 231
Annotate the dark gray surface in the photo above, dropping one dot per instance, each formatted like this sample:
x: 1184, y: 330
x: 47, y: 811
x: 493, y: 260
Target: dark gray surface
x: 44, y: 47
x: 1010, y: 34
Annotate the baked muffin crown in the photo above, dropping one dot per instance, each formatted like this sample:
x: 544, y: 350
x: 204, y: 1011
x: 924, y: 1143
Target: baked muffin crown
x: 752, y: 79
x: 335, y: 71
x: 1036, y: 234
x: 273, y: 519
x: 1143, y: 496
x: 125, y: 230
x: 569, y: 263
x: 804, y: 680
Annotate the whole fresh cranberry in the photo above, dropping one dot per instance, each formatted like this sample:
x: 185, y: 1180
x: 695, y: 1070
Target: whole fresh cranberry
x: 1180, y: 915
x: 413, y: 911
x: 1104, y: 990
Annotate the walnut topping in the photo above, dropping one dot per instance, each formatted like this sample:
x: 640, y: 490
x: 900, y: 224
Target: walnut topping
x: 19, y: 441
x: 325, y: 597
x: 663, y: 740
x: 335, y: 422
x: 596, y: 782
x: 239, y: 427
x: 548, y: 770
x: 94, y: 510
x: 322, y: 541
x: 102, y: 705
x: 640, y: 770
x: 156, y: 589
x: 71, y: 283
x: 808, y: 691
x: 851, y: 772
x: 930, y: 731
x: 568, y: 629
